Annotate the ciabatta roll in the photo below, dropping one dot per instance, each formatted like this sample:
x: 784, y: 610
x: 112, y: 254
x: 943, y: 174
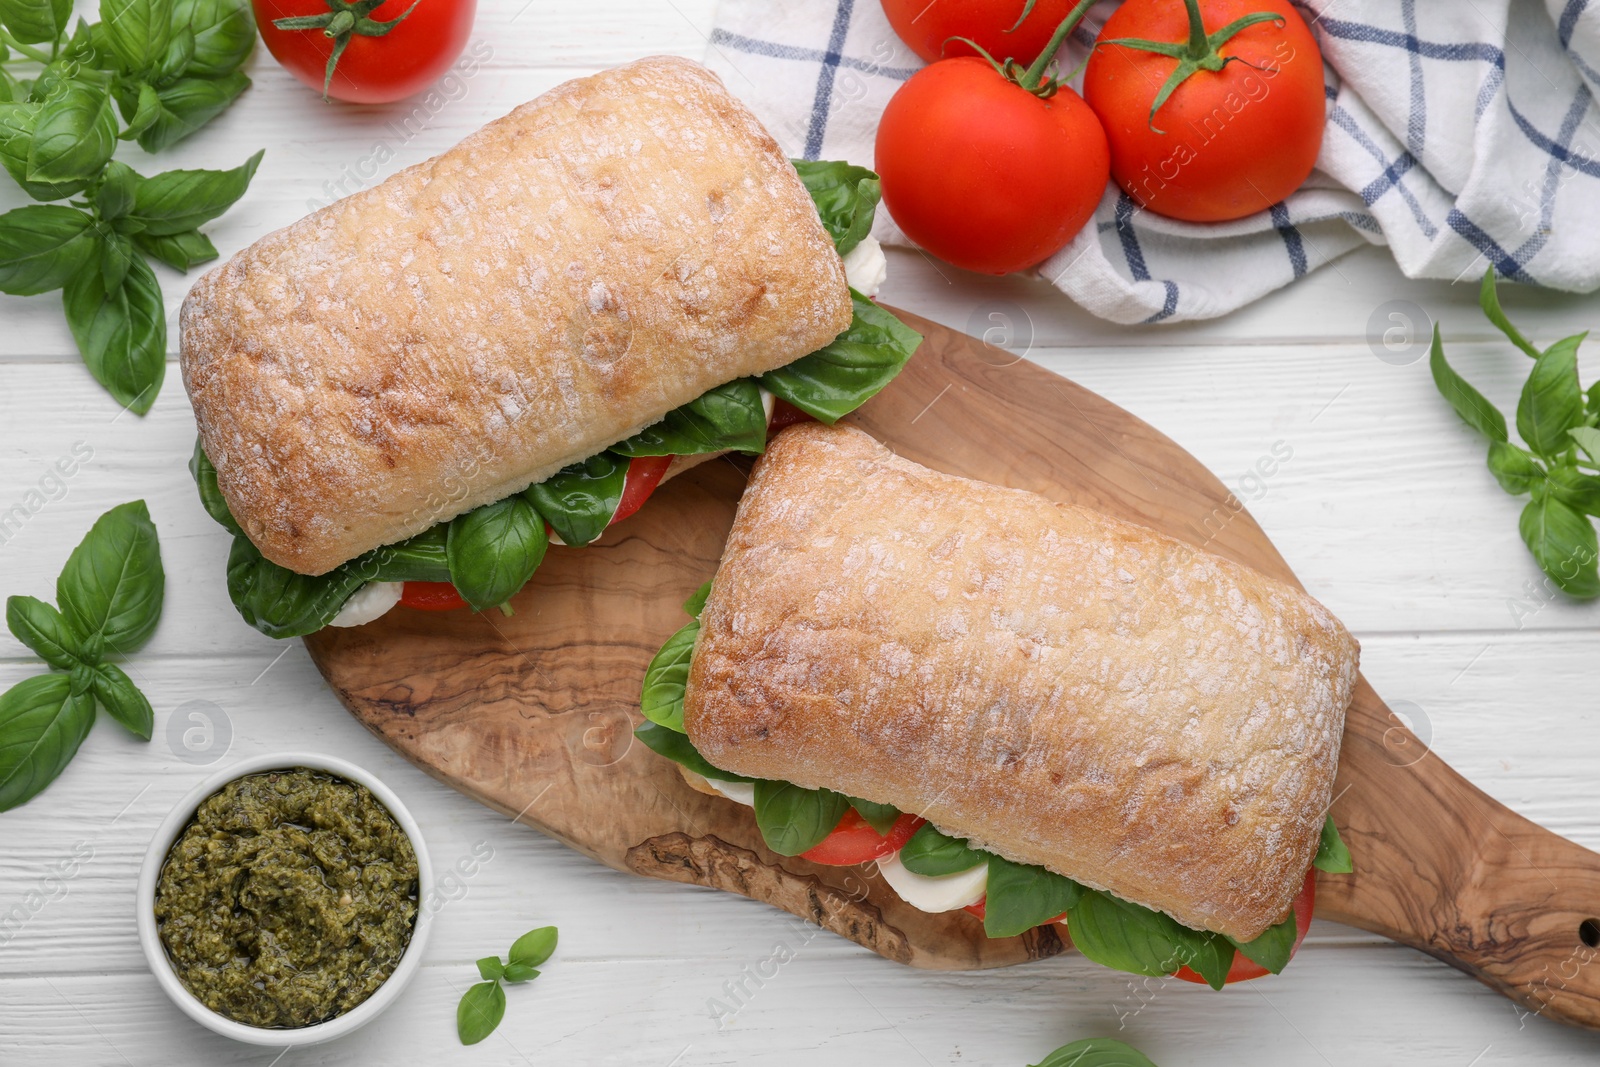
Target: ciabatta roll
x: 555, y: 283
x: 1059, y: 687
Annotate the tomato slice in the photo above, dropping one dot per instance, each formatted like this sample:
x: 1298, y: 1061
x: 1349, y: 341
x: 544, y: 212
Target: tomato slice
x: 854, y: 841
x: 981, y: 911
x: 1244, y: 968
x: 431, y: 596
x: 785, y: 414
x: 644, y: 474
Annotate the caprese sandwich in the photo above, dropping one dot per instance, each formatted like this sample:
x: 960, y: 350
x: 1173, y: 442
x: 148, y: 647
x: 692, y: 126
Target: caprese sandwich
x: 405, y: 397
x: 1031, y: 711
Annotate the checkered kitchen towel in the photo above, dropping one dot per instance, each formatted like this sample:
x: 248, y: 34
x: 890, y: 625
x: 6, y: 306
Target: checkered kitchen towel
x: 1460, y: 133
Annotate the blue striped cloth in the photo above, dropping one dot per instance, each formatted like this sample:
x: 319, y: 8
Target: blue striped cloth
x: 1461, y: 133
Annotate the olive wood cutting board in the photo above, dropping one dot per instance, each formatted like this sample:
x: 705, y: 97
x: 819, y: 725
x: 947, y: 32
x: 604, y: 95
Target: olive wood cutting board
x: 532, y: 714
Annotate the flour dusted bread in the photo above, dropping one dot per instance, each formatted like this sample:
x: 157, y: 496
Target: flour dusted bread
x: 1063, y: 688
x: 558, y: 281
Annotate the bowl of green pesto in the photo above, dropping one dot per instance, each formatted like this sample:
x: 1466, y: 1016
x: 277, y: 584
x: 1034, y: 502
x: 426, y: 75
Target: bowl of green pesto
x: 281, y: 902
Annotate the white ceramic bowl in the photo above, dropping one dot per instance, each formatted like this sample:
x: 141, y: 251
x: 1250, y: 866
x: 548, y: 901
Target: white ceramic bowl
x: 156, y: 955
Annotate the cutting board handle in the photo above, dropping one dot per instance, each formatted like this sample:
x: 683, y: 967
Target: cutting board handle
x: 1443, y: 867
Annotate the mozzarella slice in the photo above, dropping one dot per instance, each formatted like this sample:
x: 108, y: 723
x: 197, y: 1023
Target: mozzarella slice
x: 371, y: 601
x: 944, y: 892
x: 767, y: 401
x: 866, y: 268
x: 738, y: 792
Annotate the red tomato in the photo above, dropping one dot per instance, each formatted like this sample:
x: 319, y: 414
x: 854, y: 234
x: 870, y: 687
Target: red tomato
x: 373, y: 69
x: 644, y: 474
x: 927, y: 28
x: 431, y: 596
x: 784, y: 415
x: 983, y: 173
x: 854, y: 841
x: 1244, y: 968
x: 1227, y: 143
x: 980, y: 911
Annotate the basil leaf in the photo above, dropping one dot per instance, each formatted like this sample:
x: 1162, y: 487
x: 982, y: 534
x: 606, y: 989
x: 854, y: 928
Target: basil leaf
x: 661, y: 701
x: 121, y: 332
x: 834, y: 381
x: 42, y: 723
x: 730, y: 417
x: 175, y: 60
x: 137, y: 31
x: 205, y: 480
x: 795, y: 820
x: 1489, y: 301
x: 1592, y: 402
x: 931, y: 853
x: 535, y: 946
x: 116, y: 259
x: 188, y: 104
x: 1096, y: 1052
x: 1467, y: 401
x: 1552, y: 399
x: 1514, y: 468
x: 579, y: 500
x: 1126, y: 937
x: 1273, y: 947
x: 494, y: 550
x: 140, y: 109
x: 180, y: 200
x: 280, y: 602
x: 122, y: 700
x: 1562, y: 540
x: 1332, y: 855
x: 846, y: 197
x: 679, y: 749
x: 519, y: 972
x: 881, y: 817
x: 1211, y: 955
x: 490, y: 968
x: 224, y: 34
x: 423, y: 558
x: 43, y: 629
x: 35, y: 21
x: 1577, y: 490
x: 113, y: 584
x: 1586, y: 437
x: 1021, y: 897
x: 697, y: 600
x: 480, y: 1011
x: 74, y: 134
x: 180, y: 251
x: 42, y: 246
x: 113, y: 197
x: 16, y: 138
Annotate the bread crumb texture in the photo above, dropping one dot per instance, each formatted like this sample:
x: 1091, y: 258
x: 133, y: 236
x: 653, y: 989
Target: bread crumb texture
x: 553, y: 284
x: 1062, y: 688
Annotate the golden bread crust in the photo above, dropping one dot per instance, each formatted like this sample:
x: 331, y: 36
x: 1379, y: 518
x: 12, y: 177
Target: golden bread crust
x: 559, y: 280
x: 1063, y: 688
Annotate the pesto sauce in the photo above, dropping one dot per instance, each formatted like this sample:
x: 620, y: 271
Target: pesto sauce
x: 288, y: 899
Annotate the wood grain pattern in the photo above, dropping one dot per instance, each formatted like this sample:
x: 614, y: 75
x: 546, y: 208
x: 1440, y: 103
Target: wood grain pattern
x: 532, y: 714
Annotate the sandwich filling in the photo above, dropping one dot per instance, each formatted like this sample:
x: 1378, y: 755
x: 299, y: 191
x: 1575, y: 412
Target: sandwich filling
x: 937, y: 872
x: 481, y: 559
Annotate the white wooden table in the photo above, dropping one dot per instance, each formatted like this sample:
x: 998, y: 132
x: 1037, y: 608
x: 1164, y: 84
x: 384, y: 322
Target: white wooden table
x: 1384, y: 509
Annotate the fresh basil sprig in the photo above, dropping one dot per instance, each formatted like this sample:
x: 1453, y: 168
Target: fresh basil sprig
x: 881, y: 817
x: 493, y: 551
x: 168, y: 66
x: 729, y: 418
x: 833, y: 381
x: 484, y: 1005
x: 661, y: 700
x: 932, y: 853
x: 846, y: 197
x: 792, y: 819
x: 1332, y: 855
x: 1020, y: 896
x: 1559, y: 468
x: 1096, y: 1052
x: 110, y: 594
x: 578, y: 501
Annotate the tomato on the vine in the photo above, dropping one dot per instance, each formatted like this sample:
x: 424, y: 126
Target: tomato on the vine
x: 854, y: 841
x: 989, y: 166
x: 999, y: 27
x: 1214, y: 109
x: 366, y: 51
x: 1244, y: 968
